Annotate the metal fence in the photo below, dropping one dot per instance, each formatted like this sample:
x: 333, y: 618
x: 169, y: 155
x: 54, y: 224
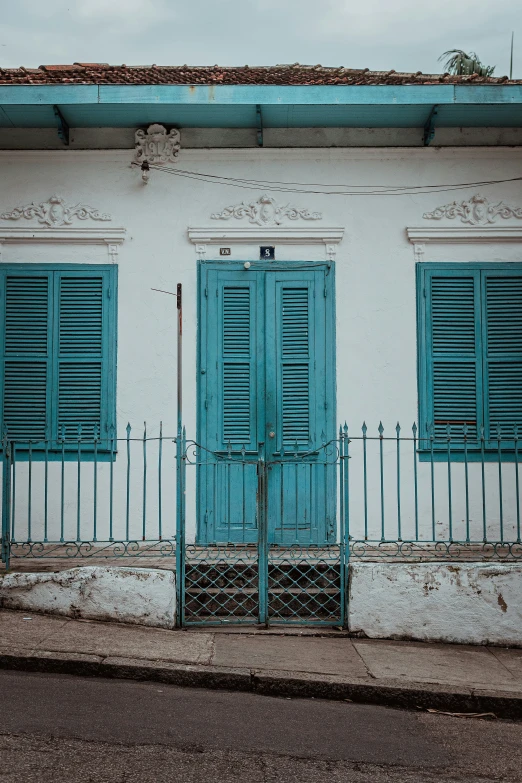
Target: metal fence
x: 452, y: 494
x: 89, y: 497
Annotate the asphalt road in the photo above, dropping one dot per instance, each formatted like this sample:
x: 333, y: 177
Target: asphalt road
x: 61, y: 729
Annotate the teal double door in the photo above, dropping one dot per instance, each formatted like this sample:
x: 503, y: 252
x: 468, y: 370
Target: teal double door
x: 266, y: 395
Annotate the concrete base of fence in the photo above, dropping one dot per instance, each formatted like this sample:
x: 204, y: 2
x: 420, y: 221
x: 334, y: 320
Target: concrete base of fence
x: 463, y: 603
x: 144, y: 596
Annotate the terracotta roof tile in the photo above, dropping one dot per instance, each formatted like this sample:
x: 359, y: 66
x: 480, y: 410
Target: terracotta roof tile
x: 295, y: 74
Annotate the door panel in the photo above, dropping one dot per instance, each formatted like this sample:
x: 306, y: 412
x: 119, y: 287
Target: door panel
x: 266, y: 386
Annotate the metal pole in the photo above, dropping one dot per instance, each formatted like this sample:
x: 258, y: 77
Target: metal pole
x: 262, y: 542
x: 180, y: 522
x: 6, y: 503
x: 180, y: 354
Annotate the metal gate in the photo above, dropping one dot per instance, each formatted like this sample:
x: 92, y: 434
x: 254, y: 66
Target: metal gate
x: 270, y: 582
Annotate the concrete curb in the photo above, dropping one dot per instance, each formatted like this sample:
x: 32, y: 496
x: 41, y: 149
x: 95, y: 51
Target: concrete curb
x: 300, y: 685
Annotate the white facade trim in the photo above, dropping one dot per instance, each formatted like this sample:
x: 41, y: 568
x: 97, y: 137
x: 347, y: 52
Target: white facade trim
x: 282, y: 235
x: 18, y: 235
x: 459, y: 234
x: 469, y: 235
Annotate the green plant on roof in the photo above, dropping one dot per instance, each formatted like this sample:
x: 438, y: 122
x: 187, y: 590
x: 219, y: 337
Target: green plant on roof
x: 459, y: 63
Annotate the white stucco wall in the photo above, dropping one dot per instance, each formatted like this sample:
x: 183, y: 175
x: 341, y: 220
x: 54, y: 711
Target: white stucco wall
x: 375, y: 296
x: 466, y: 603
x: 143, y: 596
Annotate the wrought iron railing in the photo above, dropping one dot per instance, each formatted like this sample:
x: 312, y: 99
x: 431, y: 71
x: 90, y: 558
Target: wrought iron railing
x: 89, y: 497
x: 453, y: 492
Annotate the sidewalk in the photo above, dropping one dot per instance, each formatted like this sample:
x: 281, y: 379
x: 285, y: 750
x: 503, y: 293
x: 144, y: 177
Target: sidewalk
x: 290, y: 663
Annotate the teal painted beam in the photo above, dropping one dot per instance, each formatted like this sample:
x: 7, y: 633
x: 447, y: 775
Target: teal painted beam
x: 276, y: 94
x: 488, y: 93
x: 384, y: 95
x: 43, y: 94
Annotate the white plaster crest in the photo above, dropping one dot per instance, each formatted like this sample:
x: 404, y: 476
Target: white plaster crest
x: 476, y: 211
x: 265, y: 212
x: 54, y: 213
x: 156, y: 144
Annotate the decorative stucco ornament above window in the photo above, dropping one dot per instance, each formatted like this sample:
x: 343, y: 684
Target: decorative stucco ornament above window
x: 157, y: 145
x: 265, y: 212
x: 481, y: 222
x: 58, y: 224
x: 55, y: 212
x: 477, y: 211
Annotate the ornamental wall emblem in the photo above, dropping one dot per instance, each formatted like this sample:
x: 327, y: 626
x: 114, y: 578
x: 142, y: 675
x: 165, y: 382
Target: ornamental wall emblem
x: 265, y: 212
x: 477, y: 211
x: 55, y: 212
x: 156, y: 144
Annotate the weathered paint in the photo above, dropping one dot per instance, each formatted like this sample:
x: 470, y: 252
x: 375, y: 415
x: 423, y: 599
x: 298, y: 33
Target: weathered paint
x: 464, y: 603
x: 143, y: 596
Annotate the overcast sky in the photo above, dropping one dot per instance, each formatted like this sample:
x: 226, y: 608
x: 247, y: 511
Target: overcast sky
x: 407, y: 35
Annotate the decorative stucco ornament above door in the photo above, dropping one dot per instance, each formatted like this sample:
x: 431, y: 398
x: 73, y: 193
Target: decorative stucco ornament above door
x: 266, y: 222
x: 481, y: 222
x: 56, y: 220
x: 476, y: 211
x: 265, y: 212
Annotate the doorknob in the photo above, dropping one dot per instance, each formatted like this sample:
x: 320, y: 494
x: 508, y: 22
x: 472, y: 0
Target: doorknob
x: 271, y: 434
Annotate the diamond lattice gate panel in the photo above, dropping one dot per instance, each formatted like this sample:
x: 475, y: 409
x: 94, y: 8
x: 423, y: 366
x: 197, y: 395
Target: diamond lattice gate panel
x: 268, y: 582
x: 305, y: 585
x: 221, y: 584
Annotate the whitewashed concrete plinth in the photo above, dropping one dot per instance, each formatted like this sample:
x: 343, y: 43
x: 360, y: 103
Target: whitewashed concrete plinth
x: 466, y: 603
x: 143, y: 596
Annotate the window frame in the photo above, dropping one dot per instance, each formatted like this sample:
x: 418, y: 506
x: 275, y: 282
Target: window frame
x: 52, y: 450
x: 489, y: 450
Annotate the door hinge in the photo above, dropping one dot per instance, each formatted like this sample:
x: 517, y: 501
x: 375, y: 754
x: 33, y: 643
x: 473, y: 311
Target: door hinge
x: 206, y: 405
x: 325, y: 292
x: 206, y: 292
x: 109, y: 293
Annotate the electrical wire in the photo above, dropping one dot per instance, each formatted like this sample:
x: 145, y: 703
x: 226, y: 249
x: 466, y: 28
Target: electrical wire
x: 322, y: 185
x: 305, y: 188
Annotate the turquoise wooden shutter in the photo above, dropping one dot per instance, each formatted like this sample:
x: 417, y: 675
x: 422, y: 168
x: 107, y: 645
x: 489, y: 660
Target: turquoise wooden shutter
x: 453, y: 353
x: 296, y: 358
x: 302, y: 375
x: 26, y: 348
x: 502, y: 294
x: 230, y: 360
x: 81, y: 362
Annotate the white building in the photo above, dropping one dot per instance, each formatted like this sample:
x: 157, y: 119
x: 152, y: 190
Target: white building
x: 349, y: 249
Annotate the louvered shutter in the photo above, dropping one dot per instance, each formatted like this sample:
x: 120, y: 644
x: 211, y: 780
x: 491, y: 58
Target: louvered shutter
x: 81, y: 366
x: 453, y: 372
x: 230, y: 361
x: 26, y: 362
x: 295, y: 308
x: 502, y: 295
